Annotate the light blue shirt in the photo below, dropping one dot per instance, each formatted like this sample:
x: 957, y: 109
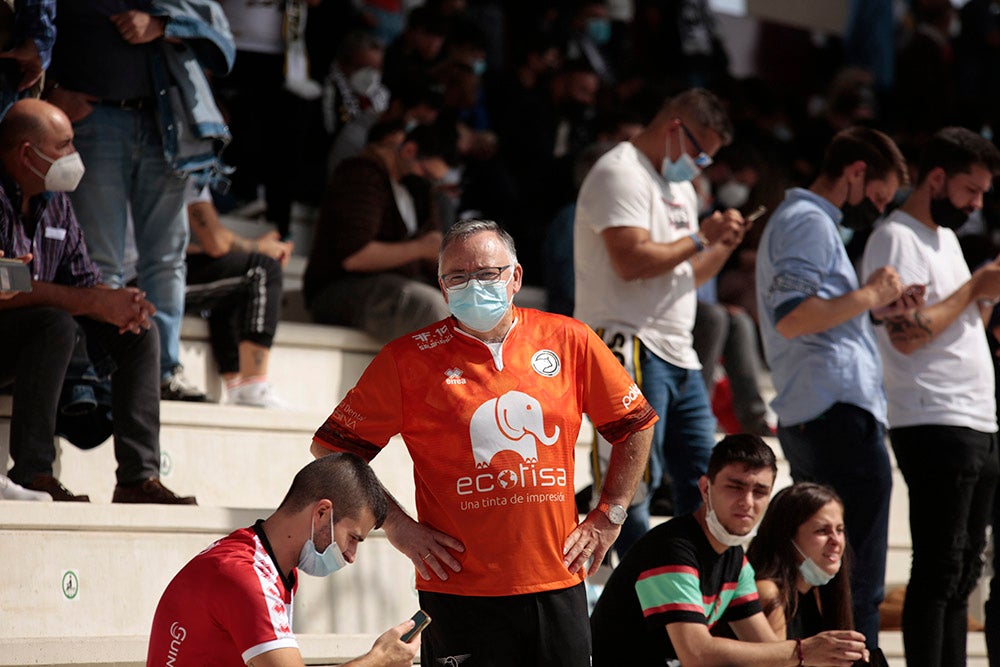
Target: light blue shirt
x: 801, y: 255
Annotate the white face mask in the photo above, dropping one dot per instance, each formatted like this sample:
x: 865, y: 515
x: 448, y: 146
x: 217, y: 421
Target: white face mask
x: 365, y: 81
x: 319, y: 564
x: 719, y: 531
x: 732, y: 194
x: 812, y: 573
x: 64, y: 173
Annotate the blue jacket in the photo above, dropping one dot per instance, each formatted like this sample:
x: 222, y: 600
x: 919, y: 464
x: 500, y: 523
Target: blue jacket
x: 196, y: 38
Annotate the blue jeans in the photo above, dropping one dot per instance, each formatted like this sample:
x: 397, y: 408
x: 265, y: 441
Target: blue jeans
x: 126, y: 171
x: 845, y: 448
x: 951, y: 473
x: 685, y: 435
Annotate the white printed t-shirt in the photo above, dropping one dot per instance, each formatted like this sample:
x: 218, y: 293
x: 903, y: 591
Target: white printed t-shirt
x: 948, y: 381
x: 624, y: 189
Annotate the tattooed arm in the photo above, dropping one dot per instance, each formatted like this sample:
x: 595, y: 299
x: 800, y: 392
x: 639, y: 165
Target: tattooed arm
x: 910, y: 331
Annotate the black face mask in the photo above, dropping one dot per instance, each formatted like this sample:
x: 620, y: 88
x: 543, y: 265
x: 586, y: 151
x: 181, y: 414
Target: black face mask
x: 861, y: 215
x: 946, y: 214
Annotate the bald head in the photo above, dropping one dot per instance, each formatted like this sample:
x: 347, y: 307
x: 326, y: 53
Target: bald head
x: 31, y: 121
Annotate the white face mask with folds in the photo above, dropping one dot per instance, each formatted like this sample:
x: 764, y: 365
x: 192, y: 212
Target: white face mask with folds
x: 64, y: 173
x: 719, y: 531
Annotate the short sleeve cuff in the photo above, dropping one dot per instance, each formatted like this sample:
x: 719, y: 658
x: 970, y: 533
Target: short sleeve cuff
x: 273, y: 645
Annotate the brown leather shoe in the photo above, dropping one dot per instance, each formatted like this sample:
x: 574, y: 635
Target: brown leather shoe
x: 150, y: 491
x: 54, y: 488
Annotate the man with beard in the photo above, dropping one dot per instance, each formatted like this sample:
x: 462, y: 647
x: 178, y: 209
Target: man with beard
x: 939, y: 382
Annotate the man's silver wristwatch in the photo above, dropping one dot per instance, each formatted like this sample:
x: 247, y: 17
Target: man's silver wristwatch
x: 616, y: 513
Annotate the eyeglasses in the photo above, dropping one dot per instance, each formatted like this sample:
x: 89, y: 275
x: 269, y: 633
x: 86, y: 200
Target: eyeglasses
x: 703, y: 159
x: 461, y: 280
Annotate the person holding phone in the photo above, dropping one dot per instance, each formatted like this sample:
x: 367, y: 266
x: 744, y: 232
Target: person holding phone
x: 232, y: 603
x: 940, y: 385
x: 816, y: 326
x: 38, y: 225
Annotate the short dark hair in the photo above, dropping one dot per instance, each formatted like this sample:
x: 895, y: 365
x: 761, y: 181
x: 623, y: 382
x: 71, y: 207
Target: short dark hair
x: 879, y: 153
x: 463, y: 229
x: 427, y: 20
x: 743, y: 449
x: 773, y: 556
x: 705, y: 108
x: 345, y: 480
x: 957, y: 150
x: 437, y: 140
x: 354, y: 43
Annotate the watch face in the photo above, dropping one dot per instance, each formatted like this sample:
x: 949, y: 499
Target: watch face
x: 617, y: 514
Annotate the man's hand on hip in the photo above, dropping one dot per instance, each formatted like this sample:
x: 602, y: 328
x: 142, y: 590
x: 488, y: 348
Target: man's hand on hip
x: 593, y: 537
x: 427, y: 548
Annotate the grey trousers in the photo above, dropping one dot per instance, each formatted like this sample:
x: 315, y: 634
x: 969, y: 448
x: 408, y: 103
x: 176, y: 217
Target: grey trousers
x: 385, y: 305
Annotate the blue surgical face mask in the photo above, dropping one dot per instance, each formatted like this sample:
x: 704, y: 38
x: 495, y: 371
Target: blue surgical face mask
x: 812, y: 573
x: 678, y: 172
x: 479, y: 67
x: 599, y: 31
x: 480, y: 306
x: 318, y: 564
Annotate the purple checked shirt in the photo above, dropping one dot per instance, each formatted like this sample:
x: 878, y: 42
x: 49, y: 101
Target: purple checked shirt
x: 60, y: 254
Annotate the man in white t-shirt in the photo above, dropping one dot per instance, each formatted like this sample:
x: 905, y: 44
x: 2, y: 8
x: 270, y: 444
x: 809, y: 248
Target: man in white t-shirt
x: 639, y: 254
x: 939, y: 383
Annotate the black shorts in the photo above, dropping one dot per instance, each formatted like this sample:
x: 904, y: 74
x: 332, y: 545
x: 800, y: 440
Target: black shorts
x: 549, y: 629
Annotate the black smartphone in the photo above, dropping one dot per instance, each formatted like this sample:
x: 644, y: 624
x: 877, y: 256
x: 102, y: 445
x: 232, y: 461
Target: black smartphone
x: 422, y: 620
x: 15, y: 276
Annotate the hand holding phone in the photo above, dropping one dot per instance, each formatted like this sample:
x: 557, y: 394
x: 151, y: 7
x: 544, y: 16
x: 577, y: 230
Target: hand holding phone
x: 421, y: 620
x: 15, y: 276
x: 757, y: 212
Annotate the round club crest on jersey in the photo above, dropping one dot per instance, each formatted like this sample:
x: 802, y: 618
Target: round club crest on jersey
x: 546, y: 363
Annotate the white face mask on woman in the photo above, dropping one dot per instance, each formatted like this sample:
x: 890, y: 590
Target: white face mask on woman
x: 812, y: 573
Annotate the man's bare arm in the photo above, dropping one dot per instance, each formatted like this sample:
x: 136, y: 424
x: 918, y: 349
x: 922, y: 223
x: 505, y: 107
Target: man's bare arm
x: 909, y: 332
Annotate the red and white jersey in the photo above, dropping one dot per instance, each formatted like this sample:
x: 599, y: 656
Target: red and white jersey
x: 492, y: 434
x: 228, y: 605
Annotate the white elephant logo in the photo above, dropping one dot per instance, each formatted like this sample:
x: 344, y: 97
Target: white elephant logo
x: 513, y: 422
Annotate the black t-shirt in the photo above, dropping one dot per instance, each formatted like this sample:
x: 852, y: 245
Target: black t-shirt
x: 671, y: 575
x: 90, y: 55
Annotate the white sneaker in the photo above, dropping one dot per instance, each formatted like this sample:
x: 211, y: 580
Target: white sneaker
x: 11, y: 491
x: 257, y: 395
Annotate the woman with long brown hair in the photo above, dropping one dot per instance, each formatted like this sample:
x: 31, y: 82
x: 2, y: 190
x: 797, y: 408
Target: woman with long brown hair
x: 800, y: 559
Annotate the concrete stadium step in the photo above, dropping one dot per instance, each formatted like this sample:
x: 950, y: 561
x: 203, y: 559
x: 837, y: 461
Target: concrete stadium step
x: 130, y: 651
x: 92, y: 570
x: 228, y: 456
x: 312, y: 366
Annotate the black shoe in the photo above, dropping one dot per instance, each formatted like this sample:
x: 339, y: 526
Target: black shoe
x: 176, y: 387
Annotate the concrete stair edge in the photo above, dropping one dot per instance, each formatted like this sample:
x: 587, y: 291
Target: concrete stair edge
x: 108, y: 651
x: 317, y: 649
